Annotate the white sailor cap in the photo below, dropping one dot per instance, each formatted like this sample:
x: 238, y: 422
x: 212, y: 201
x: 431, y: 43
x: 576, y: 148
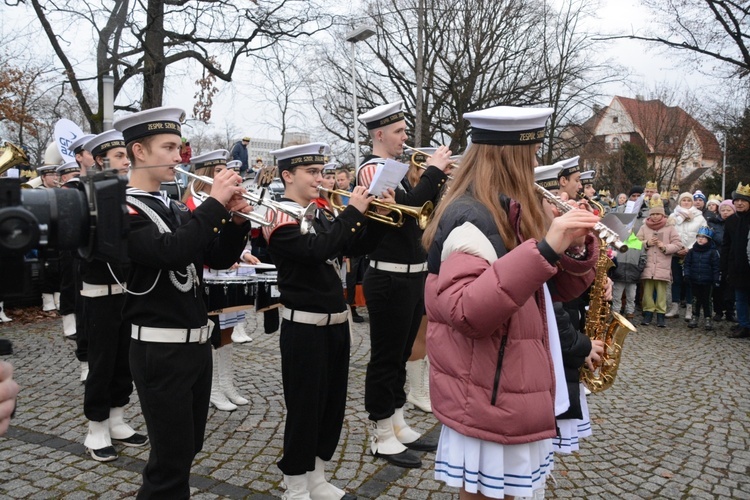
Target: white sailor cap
x: 234, y: 165
x: 568, y: 167
x: 69, y: 167
x: 100, y: 144
x: 587, y: 177
x: 508, y: 125
x: 330, y: 168
x: 547, y: 176
x: 383, y: 115
x: 210, y: 159
x: 80, y: 143
x: 46, y: 169
x: 306, y: 154
x: 150, y: 122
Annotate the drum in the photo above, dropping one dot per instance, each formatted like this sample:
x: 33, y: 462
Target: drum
x: 267, y: 292
x: 224, y: 294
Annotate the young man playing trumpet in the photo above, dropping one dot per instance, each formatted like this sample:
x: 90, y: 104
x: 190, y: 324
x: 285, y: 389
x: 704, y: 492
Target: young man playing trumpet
x: 315, y: 337
x: 394, y: 291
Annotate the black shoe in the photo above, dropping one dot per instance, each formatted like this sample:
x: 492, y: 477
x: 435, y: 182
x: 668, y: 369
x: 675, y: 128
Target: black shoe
x: 731, y: 317
x: 709, y: 325
x: 405, y: 459
x: 743, y: 333
x: 682, y: 303
x: 6, y: 347
x: 135, y: 440
x: 693, y: 323
x: 647, y: 317
x: 718, y: 316
x: 422, y: 444
x: 355, y: 316
x: 349, y: 496
x: 106, y: 454
x: 660, y: 321
x: 73, y: 337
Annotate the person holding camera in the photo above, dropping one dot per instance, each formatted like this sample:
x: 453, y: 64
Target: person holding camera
x: 170, y: 356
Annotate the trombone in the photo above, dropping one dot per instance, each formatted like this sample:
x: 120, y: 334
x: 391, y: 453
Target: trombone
x: 305, y: 215
x: 421, y: 214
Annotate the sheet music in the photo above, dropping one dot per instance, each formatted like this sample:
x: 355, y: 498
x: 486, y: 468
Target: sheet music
x: 388, y: 175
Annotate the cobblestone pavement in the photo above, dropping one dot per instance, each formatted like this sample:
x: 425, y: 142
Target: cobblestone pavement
x: 675, y: 425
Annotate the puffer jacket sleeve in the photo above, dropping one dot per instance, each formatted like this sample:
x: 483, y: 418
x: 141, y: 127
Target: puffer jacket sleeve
x: 675, y: 242
x: 475, y: 297
x: 576, y: 275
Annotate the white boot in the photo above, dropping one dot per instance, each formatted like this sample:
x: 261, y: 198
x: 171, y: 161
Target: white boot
x: 98, y: 442
x: 383, y: 440
x: 418, y: 374
x: 688, y: 312
x: 122, y: 432
x: 218, y: 399
x: 56, y: 297
x: 84, y: 371
x: 3, y: 317
x: 674, y: 310
x: 404, y: 433
x: 48, y: 302
x: 319, y: 487
x: 69, y: 324
x: 226, y: 376
x: 296, y: 488
x: 239, y: 335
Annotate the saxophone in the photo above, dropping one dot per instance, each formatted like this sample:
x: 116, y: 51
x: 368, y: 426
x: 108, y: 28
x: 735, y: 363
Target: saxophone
x: 603, y: 324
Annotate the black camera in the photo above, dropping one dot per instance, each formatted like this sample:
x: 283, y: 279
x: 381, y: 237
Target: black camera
x: 92, y: 220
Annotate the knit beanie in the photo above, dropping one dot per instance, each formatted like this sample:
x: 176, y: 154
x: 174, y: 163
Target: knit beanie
x: 728, y: 203
x: 699, y: 194
x: 685, y: 195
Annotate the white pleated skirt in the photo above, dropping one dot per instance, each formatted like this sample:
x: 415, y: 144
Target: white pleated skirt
x: 230, y: 320
x: 492, y: 469
x: 573, y: 430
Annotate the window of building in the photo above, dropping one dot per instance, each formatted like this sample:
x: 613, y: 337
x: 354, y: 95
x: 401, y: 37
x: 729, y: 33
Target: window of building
x: 615, y: 119
x: 615, y: 143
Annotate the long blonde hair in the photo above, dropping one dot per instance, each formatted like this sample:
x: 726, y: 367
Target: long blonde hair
x: 199, y: 185
x: 487, y: 172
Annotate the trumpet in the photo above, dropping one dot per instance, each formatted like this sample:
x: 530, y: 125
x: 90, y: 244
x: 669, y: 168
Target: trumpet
x: 421, y: 214
x: 609, y: 236
x: 454, y: 166
x: 305, y: 216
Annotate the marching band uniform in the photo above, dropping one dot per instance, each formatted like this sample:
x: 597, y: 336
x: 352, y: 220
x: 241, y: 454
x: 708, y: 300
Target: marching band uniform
x: 68, y: 267
x: 109, y: 384
x: 394, y: 291
x: 224, y: 395
x: 170, y: 358
x: 51, y: 284
x: 315, y: 336
x: 82, y: 155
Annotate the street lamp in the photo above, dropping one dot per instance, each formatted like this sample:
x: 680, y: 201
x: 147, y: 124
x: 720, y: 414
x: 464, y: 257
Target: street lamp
x: 108, y: 101
x: 358, y: 35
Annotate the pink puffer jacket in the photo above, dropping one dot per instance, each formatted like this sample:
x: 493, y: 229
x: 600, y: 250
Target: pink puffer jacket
x: 658, y: 263
x: 481, y: 313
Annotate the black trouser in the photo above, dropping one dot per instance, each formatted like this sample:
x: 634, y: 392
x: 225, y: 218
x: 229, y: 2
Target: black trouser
x: 701, y: 299
x: 68, y: 283
x: 270, y: 316
x: 723, y: 298
x: 395, y: 303
x: 109, y: 383
x: 82, y: 339
x: 314, y: 371
x: 51, y: 282
x: 354, y: 276
x: 174, y: 384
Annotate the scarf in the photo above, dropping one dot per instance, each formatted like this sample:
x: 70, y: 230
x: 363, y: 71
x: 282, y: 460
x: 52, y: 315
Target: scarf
x: 656, y: 225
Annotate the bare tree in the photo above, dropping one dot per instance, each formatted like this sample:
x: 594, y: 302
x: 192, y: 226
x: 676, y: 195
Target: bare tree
x: 140, y: 40
x: 572, y: 76
x: 700, y: 29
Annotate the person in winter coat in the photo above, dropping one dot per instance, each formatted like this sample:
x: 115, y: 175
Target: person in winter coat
x: 734, y: 258
x: 723, y: 296
x: 627, y: 273
x: 687, y: 219
x: 490, y: 315
x: 661, y: 241
x: 702, y: 273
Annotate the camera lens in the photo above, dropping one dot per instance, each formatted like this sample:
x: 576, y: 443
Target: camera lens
x: 62, y: 215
